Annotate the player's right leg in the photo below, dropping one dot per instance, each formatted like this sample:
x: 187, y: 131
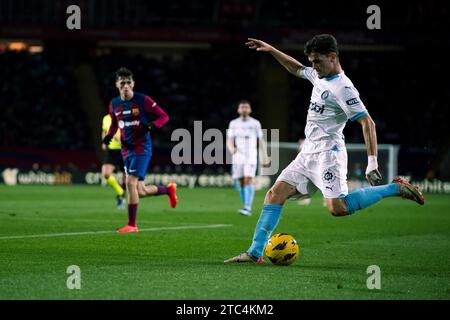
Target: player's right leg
x: 291, y: 183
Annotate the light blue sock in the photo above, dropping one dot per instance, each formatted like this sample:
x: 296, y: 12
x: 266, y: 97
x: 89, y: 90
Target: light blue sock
x: 236, y: 185
x: 249, y: 195
x: 366, y: 197
x: 242, y: 191
x: 268, y: 220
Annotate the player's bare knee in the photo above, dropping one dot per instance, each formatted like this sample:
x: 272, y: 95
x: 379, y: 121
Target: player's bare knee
x: 275, y: 196
x: 132, y: 182
x: 248, y: 181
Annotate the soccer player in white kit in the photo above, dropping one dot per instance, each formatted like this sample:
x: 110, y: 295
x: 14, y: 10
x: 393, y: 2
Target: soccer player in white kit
x: 322, y: 162
x: 243, y: 135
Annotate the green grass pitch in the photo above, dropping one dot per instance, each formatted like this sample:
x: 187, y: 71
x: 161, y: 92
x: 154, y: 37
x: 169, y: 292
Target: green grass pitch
x: 180, y: 253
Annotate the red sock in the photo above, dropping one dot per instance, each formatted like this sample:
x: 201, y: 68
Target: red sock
x: 132, y: 211
x: 162, y: 190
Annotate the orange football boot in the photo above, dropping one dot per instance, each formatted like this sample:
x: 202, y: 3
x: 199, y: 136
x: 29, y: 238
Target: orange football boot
x: 173, y: 199
x: 128, y: 228
x: 409, y: 191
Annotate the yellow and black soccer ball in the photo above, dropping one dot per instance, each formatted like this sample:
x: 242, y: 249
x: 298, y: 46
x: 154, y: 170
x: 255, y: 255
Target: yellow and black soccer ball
x: 282, y: 249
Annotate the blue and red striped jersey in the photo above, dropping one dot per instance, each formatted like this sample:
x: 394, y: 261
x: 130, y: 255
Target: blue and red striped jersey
x: 132, y: 117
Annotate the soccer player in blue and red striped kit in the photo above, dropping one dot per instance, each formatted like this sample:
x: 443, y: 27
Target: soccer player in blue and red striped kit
x: 131, y: 112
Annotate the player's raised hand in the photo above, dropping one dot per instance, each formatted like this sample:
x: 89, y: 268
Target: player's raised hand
x: 258, y: 45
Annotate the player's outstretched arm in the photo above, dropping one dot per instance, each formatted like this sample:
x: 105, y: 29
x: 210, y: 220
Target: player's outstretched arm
x: 373, y: 176
x: 291, y: 65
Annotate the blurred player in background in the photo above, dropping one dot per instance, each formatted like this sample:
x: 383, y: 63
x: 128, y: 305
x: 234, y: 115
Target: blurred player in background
x: 243, y: 135
x: 322, y: 162
x: 112, y: 161
x: 131, y: 112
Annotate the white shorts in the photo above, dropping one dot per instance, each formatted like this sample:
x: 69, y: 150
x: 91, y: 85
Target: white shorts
x: 325, y: 170
x: 243, y: 170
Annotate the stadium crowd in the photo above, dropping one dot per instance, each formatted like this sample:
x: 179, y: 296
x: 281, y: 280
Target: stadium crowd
x: 40, y: 103
x: 48, y: 115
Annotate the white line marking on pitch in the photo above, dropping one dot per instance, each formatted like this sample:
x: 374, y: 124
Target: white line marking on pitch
x: 106, y: 220
x: 68, y: 234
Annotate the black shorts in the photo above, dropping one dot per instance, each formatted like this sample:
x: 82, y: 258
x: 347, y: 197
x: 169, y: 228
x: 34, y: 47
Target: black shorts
x: 114, y: 157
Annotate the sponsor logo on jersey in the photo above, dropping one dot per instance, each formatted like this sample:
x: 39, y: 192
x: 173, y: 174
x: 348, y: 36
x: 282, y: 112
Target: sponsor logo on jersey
x: 124, y: 124
x: 328, y: 176
x: 127, y: 112
x: 352, y: 101
x: 135, y: 111
x: 313, y: 106
x: 325, y: 94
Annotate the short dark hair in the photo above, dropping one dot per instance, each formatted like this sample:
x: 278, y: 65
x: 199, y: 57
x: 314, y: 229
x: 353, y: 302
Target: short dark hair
x: 244, y: 101
x: 124, y: 73
x: 323, y: 44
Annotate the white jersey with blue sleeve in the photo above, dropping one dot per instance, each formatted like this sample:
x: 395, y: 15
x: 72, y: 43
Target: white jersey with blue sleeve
x: 334, y: 101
